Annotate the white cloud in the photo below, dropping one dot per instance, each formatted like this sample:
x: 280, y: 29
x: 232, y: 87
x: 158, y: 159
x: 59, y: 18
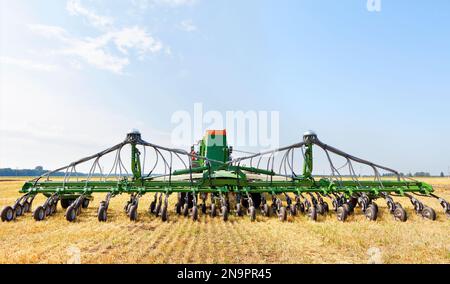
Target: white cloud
x: 75, y: 8
x: 96, y: 51
x: 176, y: 2
x: 27, y: 64
x: 144, y: 4
x: 188, y: 26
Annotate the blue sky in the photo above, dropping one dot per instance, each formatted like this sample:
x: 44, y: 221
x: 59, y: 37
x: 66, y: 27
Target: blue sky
x: 76, y: 75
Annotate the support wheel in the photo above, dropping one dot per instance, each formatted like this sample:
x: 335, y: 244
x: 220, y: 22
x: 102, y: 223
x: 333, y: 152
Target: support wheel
x: 7, y: 214
x: 102, y: 215
x: 26, y: 207
x: 326, y: 208
x: 152, y: 207
x: 85, y: 203
x: 371, y: 212
x: 47, y: 210
x: 224, y: 213
x: 282, y: 214
x: 342, y: 214
x: 203, y: 208
x: 71, y: 214
x: 293, y: 210
x: 195, y: 213
x: 164, y: 214
x: 65, y: 203
x: 429, y: 213
x: 213, y: 210
x: 53, y: 209
x: 178, y: 208
x: 300, y: 207
x: 18, y: 210
x: 185, y: 210
x: 312, y: 213
x: 39, y: 213
x: 400, y: 214
x: 133, y: 213
x: 252, y: 213
x: 239, y: 210
x: 158, y: 209
x: 319, y: 208
x: 266, y: 210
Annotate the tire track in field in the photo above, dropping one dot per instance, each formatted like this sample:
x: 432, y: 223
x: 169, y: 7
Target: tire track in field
x: 176, y: 244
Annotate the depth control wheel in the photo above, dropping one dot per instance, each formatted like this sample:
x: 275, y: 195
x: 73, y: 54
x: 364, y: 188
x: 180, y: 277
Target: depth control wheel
x: 7, y: 214
x: 429, y: 213
x: 342, y: 214
x: 400, y: 214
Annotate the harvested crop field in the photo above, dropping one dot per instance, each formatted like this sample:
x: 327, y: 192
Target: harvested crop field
x: 149, y: 240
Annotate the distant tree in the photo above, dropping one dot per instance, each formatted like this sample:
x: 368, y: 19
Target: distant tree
x: 442, y: 174
x: 422, y: 174
x: 39, y: 168
x: 409, y: 175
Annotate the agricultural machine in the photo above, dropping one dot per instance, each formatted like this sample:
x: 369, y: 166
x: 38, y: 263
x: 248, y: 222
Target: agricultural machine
x: 208, y: 181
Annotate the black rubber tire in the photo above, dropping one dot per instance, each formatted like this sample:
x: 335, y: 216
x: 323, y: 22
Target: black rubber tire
x: 185, y: 210
x: 375, y: 206
x: 256, y: 197
x: 195, y: 213
x: 224, y: 213
x: 133, y: 214
x: 18, y: 210
x: 300, y: 207
x: 273, y: 209
x: 371, y: 213
x: 152, y: 207
x: 178, y: 208
x: 252, y: 213
x: 266, y: 210
x: 26, y: 207
x: 312, y: 213
x: 47, y: 210
x: 342, y: 214
x: 158, y: 209
x: 164, y: 214
x: 190, y: 199
x: 326, y: 208
x: 204, y: 208
x: 282, y: 215
x: 400, y: 214
x: 71, y: 214
x: 53, y: 208
x: 102, y: 214
x: 85, y: 203
x: 347, y: 208
x: 213, y: 212
x: 320, y: 209
x: 429, y: 213
x: 293, y: 210
x: 239, y: 212
x: 39, y: 213
x: 65, y: 203
x: 7, y: 214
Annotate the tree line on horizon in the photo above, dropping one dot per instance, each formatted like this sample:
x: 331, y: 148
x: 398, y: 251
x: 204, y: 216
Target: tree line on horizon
x: 39, y: 171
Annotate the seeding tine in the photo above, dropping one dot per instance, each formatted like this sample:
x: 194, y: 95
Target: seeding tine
x: 102, y: 213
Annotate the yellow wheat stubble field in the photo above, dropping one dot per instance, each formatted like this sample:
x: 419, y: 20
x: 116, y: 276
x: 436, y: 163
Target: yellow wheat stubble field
x: 238, y: 241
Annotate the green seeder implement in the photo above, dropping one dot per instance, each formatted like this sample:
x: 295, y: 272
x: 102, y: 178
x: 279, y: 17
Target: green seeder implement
x: 207, y: 180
